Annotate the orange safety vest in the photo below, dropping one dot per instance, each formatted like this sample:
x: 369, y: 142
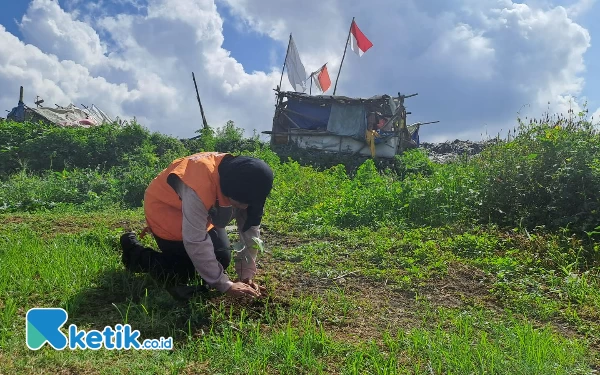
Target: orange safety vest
x: 162, y: 205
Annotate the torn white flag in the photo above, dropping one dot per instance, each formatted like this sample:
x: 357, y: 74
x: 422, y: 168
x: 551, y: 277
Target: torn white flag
x: 295, y: 69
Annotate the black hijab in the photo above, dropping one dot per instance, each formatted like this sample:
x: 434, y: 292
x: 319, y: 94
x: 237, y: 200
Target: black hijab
x: 247, y: 180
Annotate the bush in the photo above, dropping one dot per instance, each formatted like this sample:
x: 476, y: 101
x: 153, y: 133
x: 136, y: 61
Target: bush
x: 413, y: 162
x: 231, y: 139
x: 47, y: 147
x: 548, y: 175
x: 26, y: 192
x: 40, y: 146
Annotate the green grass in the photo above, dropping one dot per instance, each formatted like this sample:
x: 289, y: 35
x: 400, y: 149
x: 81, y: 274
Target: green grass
x: 471, y: 342
x: 313, y: 321
x: 485, y: 265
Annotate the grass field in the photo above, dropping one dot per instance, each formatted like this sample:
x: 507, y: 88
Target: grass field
x: 430, y: 300
x: 483, y: 266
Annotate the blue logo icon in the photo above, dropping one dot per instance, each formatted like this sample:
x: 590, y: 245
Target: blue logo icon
x: 43, y: 326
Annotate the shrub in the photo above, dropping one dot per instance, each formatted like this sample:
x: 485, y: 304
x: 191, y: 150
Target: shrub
x: 413, y: 162
x: 547, y: 175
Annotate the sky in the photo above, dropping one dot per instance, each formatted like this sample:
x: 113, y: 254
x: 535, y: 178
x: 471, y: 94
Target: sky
x: 475, y: 64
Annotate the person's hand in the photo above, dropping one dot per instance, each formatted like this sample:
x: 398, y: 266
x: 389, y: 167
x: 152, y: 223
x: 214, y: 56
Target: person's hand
x: 255, y: 286
x: 239, y: 289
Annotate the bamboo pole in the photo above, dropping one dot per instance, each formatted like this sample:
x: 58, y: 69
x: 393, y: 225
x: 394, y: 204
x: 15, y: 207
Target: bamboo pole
x: 200, y: 103
x: 285, y: 60
x: 343, y: 56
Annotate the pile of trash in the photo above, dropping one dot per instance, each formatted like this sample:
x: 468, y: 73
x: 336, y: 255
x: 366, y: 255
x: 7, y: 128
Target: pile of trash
x: 447, y: 151
x: 70, y: 115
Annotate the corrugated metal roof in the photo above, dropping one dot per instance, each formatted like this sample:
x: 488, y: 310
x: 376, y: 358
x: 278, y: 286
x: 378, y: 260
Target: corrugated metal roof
x: 72, y: 115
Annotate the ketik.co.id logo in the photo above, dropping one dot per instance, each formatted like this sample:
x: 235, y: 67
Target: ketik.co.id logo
x: 44, y: 324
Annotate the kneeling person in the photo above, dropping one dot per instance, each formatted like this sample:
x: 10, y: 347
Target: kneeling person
x: 187, y: 207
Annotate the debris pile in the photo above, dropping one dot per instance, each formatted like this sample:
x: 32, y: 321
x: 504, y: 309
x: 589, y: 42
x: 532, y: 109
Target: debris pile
x: 70, y: 115
x: 447, y: 151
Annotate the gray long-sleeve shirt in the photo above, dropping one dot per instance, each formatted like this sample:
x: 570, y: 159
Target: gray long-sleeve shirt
x: 199, y: 246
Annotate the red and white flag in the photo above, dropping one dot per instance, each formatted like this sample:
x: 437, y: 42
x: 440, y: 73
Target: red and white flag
x: 359, y: 43
x: 323, y: 82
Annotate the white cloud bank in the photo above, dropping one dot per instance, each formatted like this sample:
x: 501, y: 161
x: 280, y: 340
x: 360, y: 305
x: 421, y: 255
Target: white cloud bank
x: 474, y: 63
x: 145, y: 73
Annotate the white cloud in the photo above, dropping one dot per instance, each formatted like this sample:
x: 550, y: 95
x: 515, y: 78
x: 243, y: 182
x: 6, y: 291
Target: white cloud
x: 55, y: 80
x: 474, y: 63
x: 54, y: 31
x: 147, y: 71
x: 580, y: 7
x: 596, y: 117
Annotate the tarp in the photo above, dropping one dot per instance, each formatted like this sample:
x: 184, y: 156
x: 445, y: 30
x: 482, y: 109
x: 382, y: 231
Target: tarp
x: 348, y: 119
x: 98, y: 115
x: 314, y: 116
x: 415, y: 135
x: 71, y: 115
x: 18, y: 113
x: 338, y: 115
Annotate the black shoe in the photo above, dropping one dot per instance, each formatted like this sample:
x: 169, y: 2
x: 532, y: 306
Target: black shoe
x: 129, y: 243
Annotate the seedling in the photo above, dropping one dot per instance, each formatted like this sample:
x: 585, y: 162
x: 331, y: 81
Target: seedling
x: 258, y: 244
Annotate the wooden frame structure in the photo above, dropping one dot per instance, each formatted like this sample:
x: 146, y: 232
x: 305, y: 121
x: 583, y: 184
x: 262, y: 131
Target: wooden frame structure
x: 394, y: 135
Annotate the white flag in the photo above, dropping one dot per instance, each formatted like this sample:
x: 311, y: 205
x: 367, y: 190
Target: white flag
x: 295, y: 69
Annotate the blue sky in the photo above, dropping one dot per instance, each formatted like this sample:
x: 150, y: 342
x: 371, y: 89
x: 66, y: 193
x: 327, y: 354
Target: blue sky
x: 471, y: 73
x: 12, y: 11
x: 253, y: 50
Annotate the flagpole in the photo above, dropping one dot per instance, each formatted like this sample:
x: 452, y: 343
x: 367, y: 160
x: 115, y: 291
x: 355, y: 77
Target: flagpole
x: 311, y: 79
x: 285, y: 60
x: 345, y: 47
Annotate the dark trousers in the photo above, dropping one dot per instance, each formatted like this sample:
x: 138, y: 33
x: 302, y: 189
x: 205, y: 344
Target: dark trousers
x: 173, y: 265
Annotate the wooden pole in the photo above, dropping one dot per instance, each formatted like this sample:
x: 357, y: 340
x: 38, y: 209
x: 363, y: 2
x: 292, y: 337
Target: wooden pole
x: 345, y: 47
x: 285, y: 60
x: 199, y: 102
x: 310, y: 90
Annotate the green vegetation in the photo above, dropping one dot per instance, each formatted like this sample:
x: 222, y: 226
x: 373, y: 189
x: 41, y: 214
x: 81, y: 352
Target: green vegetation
x: 483, y: 265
